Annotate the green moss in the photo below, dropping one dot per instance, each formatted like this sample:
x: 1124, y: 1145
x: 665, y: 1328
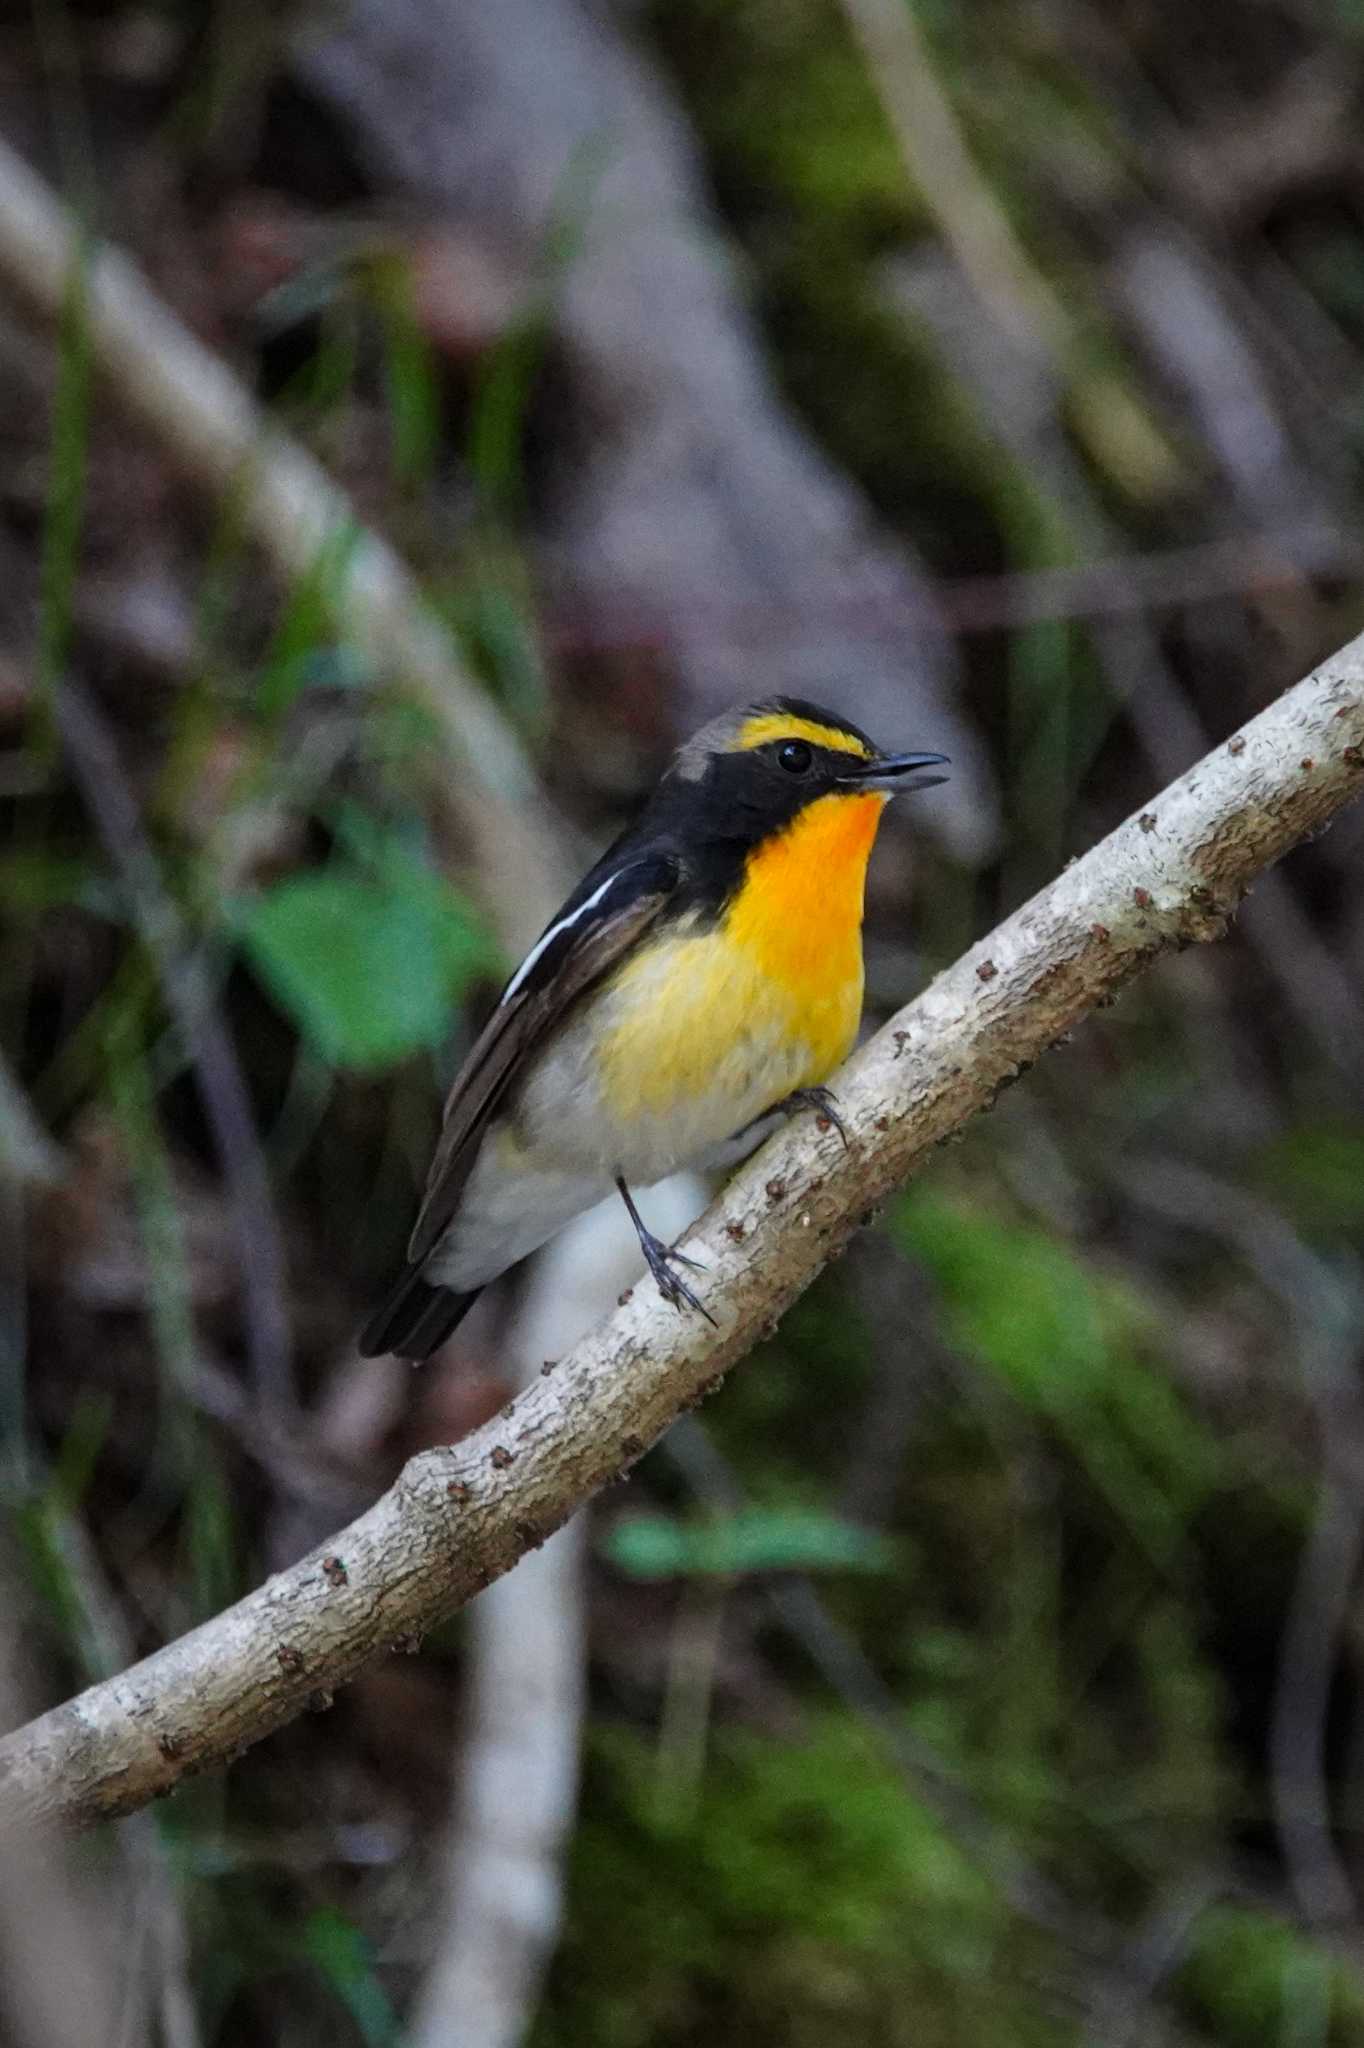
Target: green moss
x: 787, y: 107
x: 810, y: 1899
x: 1073, y: 1344
x: 1316, y: 1172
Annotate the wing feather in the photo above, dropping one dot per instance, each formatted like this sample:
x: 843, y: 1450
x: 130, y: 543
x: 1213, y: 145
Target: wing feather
x: 595, y: 929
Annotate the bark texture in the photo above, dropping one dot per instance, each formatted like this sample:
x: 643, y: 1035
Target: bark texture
x: 457, y: 1518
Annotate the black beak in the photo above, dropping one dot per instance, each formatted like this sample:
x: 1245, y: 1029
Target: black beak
x: 892, y: 772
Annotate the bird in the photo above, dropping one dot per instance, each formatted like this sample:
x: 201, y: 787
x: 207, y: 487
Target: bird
x: 700, y: 984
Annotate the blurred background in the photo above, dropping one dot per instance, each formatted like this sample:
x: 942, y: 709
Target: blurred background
x: 985, y: 1664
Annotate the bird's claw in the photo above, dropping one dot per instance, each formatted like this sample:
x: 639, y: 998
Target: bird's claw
x: 824, y: 1103
x: 661, y: 1261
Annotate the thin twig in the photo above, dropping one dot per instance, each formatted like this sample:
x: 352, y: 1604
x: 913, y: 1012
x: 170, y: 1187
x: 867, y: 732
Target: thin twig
x: 95, y: 761
x: 457, y: 1518
x: 944, y: 172
x: 1253, y: 563
x: 27, y: 1154
x: 1322, y: 1304
x: 1263, y: 559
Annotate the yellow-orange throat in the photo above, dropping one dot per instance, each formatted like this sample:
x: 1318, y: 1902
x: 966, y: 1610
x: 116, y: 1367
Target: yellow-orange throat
x: 715, y: 1026
x: 800, y: 909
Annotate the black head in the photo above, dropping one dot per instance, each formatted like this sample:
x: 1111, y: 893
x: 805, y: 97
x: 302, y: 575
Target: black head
x: 752, y: 771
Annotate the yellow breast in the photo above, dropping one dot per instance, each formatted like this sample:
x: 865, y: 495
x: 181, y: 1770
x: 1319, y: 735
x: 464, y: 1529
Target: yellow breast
x: 799, y: 913
x: 711, y: 1028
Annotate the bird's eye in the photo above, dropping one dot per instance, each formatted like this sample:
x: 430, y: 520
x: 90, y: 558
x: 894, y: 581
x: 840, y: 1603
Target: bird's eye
x: 795, y: 756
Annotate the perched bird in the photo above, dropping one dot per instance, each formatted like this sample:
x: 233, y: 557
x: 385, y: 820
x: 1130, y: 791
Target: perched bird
x: 702, y: 980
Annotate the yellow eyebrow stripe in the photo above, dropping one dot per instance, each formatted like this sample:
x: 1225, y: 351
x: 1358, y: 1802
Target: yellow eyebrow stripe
x: 780, y: 725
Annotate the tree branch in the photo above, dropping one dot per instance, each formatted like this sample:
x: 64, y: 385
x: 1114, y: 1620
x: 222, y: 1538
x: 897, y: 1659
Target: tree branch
x: 457, y: 1518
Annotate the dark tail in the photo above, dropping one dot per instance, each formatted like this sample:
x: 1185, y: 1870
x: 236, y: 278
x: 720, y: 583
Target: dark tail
x: 414, y: 1317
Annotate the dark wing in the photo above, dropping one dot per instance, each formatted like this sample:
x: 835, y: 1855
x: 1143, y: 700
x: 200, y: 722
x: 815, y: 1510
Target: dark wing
x: 597, y: 925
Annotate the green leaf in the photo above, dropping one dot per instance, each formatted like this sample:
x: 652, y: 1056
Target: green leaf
x: 303, y: 652
x: 368, y: 970
x: 754, y: 1540
x: 342, y: 1954
x: 410, y: 376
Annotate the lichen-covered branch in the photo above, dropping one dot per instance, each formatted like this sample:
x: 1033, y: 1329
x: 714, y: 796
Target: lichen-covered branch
x: 457, y: 1518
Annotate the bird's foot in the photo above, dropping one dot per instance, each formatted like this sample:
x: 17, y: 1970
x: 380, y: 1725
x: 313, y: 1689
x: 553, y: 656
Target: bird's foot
x: 662, y: 1262
x: 824, y: 1103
